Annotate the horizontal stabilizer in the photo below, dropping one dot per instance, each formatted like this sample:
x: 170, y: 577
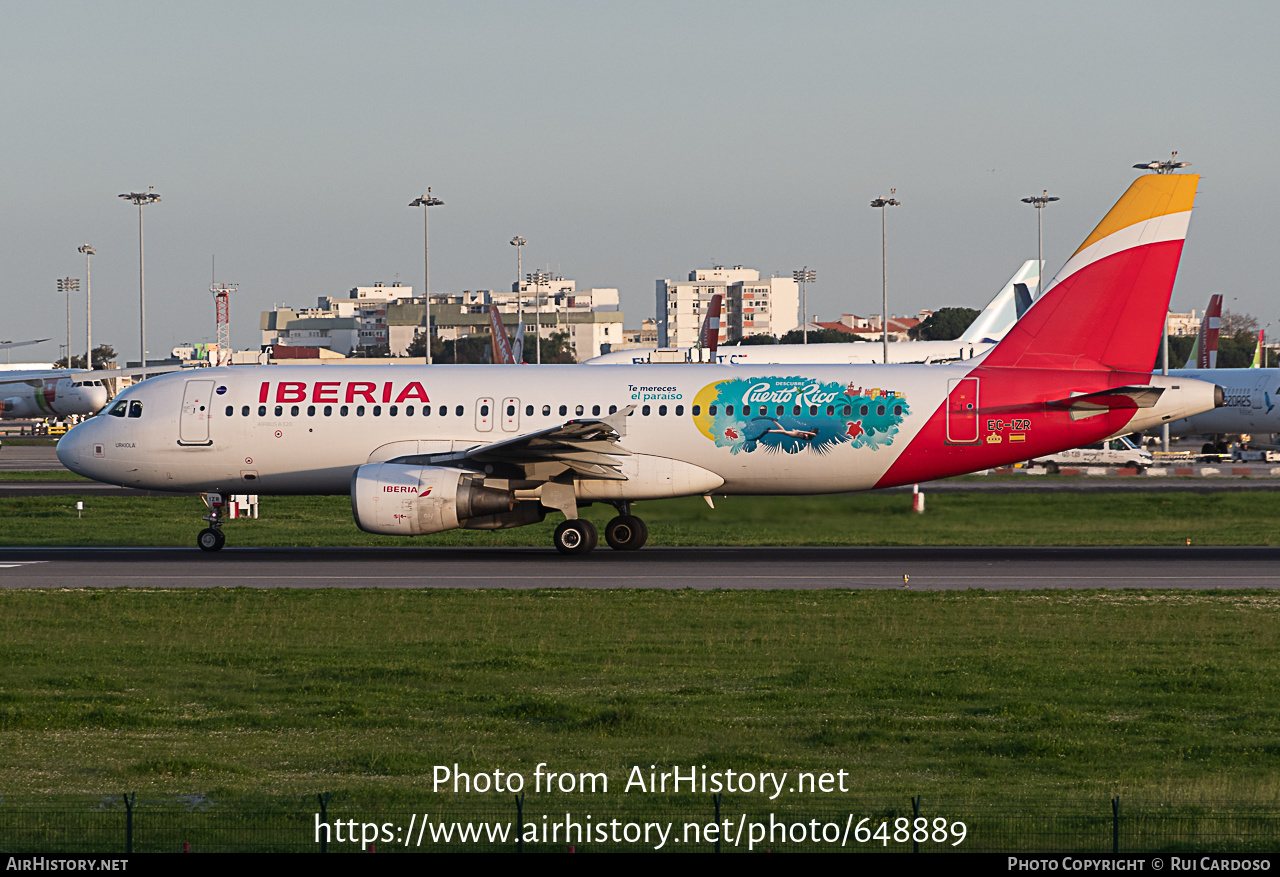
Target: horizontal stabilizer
x: 1087, y: 404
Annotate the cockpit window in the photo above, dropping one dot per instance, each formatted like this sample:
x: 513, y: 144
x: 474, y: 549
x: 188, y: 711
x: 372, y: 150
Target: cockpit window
x: 119, y: 409
x: 135, y: 408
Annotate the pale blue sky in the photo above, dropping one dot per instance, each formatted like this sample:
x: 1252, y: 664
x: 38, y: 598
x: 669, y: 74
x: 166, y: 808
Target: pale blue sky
x: 626, y: 141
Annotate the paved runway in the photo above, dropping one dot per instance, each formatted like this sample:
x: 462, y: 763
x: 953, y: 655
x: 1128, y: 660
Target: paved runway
x: 670, y: 568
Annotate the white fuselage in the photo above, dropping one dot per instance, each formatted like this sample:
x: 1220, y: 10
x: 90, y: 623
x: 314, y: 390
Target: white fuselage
x: 1251, y: 402
x: 305, y: 429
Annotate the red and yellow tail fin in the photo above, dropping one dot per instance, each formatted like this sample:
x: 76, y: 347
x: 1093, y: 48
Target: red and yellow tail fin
x: 1106, y: 307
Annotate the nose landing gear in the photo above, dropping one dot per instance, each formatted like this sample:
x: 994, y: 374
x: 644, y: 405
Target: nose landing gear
x: 212, y: 538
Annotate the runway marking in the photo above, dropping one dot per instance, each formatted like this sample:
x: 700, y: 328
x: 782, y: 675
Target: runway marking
x: 18, y: 563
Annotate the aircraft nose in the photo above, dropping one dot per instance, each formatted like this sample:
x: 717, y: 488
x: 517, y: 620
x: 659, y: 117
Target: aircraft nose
x: 72, y: 447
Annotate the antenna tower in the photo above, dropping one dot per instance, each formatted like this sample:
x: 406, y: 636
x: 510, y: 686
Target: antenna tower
x: 222, y: 303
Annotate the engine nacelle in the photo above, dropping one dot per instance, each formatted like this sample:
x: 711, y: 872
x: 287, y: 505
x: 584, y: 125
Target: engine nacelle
x: 17, y: 406
x: 396, y: 499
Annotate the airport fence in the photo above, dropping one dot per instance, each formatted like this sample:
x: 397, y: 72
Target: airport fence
x: 112, y: 824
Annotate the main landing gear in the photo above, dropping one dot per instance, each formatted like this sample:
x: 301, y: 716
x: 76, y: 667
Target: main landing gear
x: 626, y: 532
x: 212, y: 538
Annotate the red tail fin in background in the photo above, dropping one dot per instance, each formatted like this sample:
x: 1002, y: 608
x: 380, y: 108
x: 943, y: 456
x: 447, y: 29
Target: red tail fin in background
x: 501, y: 343
x: 1206, y: 353
x: 1106, y: 307
x: 709, y: 337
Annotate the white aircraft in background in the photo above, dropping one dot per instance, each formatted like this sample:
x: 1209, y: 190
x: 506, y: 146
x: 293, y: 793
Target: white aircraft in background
x: 1250, y: 395
x: 423, y: 449
x: 9, y: 345
x: 1010, y: 303
x: 61, y: 392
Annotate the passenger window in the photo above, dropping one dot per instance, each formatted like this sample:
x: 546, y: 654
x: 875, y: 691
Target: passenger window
x: 244, y: 412
x: 328, y: 411
x: 511, y: 411
x: 262, y: 410
x: 458, y: 410
x: 613, y: 409
x: 831, y: 409
x: 880, y: 410
x: 359, y: 411
x: 578, y: 411
x: 546, y: 410
x: 645, y: 411
x: 712, y: 410
x: 813, y: 409
x: 231, y: 409
x: 484, y: 411
x: 728, y: 409
x: 444, y: 409
x: 795, y: 410
x: 563, y: 410
x: 311, y: 411
x: 897, y: 410
x: 847, y: 411
x: 408, y: 411
x: 392, y: 412
x: 135, y: 408
x: 863, y: 410
x: 377, y: 410
x: 662, y: 410
x: 120, y: 409
x: 595, y: 409
x: 528, y: 411
x: 293, y: 412
x: 697, y: 409
x: 343, y: 410
x: 679, y: 410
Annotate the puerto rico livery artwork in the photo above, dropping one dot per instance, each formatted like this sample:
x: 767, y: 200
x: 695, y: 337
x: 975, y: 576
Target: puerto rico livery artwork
x: 796, y: 414
x: 423, y: 449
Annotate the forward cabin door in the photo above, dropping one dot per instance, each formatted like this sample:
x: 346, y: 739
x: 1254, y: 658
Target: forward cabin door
x: 510, y: 414
x: 962, y: 410
x: 197, y: 405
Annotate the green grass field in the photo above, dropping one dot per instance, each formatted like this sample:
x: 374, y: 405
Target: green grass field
x: 1045, y: 696
x: 856, y: 519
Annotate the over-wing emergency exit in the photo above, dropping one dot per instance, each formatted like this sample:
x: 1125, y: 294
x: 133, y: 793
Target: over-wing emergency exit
x: 422, y: 449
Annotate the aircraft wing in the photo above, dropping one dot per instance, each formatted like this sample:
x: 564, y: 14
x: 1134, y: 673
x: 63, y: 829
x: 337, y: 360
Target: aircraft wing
x: 9, y: 345
x: 589, y: 447
x: 22, y: 377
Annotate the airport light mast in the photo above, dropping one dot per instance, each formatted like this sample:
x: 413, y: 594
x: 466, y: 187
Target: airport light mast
x: 222, y: 305
x: 142, y: 199
x: 803, y: 276
x: 1164, y: 167
x: 89, y: 252
x: 68, y: 285
x: 537, y: 278
x: 882, y: 203
x: 1040, y: 202
x: 426, y: 202
x: 519, y: 242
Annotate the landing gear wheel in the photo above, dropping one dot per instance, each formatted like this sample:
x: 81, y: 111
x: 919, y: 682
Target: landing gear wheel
x: 1051, y: 468
x: 626, y: 533
x: 1135, y: 465
x: 575, y: 537
x: 211, y: 539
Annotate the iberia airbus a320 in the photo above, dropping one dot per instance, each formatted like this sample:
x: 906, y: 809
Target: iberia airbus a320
x: 423, y: 449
